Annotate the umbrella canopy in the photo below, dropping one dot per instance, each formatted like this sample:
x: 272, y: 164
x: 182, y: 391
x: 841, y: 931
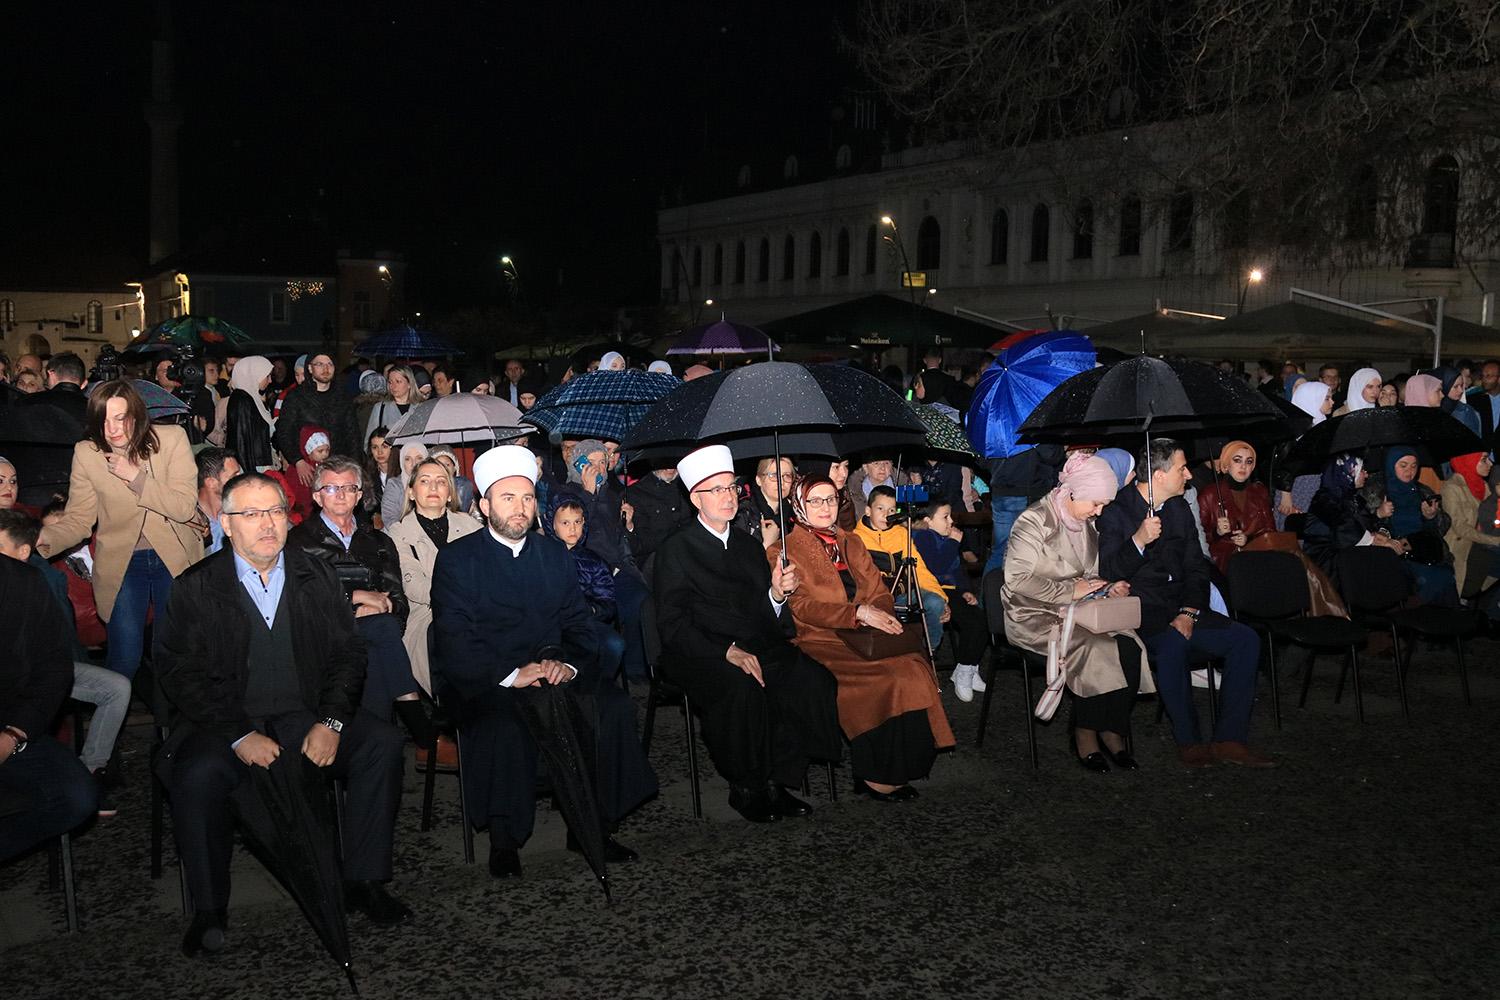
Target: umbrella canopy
x: 724, y: 337
x: 459, y: 418
x: 160, y: 403
x: 1162, y: 331
x: 586, y: 355
x: 600, y: 404
x: 943, y: 432
x: 406, y: 341
x: 201, y: 333
x: 1436, y: 436
x: 1020, y: 378
x: 880, y: 321
x: 39, y: 424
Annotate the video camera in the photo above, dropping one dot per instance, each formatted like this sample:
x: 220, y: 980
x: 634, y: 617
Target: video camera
x: 907, y: 500
x: 107, y: 366
x: 186, y: 369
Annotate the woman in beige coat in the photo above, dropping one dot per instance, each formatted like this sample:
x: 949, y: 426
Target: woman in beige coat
x: 139, y: 483
x: 1051, y: 561
x: 1475, y: 554
x: 432, y: 520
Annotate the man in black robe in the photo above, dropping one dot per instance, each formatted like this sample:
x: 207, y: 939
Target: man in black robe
x: 508, y: 616
x: 767, y: 709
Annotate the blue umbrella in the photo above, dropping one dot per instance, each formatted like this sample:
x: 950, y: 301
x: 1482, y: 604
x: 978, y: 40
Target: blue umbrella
x: 1019, y: 379
x: 406, y: 341
x: 600, y: 404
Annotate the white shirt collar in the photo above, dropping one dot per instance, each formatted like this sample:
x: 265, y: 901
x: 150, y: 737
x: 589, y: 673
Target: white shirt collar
x: 722, y: 536
x: 515, y: 547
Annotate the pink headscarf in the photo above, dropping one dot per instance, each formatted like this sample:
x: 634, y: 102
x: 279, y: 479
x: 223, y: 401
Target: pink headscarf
x: 1419, y: 390
x: 1087, y: 478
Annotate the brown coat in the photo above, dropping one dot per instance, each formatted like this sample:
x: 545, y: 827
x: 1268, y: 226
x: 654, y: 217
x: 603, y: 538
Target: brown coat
x: 418, y: 556
x: 1463, y: 531
x: 164, y: 513
x: 1041, y: 567
x: 870, y: 692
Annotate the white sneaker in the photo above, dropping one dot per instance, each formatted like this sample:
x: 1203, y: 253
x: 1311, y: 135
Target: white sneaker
x: 976, y: 682
x: 963, y: 682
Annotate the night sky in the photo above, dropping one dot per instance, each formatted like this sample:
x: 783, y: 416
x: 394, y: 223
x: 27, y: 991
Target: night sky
x: 451, y: 131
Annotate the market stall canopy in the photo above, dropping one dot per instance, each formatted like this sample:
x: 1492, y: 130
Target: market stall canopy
x: 1296, y: 331
x: 879, y: 321
x: 1159, y: 328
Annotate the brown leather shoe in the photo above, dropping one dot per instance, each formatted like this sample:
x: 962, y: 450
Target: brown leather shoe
x: 1239, y: 753
x: 447, y: 755
x: 1195, y: 755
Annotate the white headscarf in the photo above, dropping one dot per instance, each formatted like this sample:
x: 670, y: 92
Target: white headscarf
x: 608, y: 362
x: 247, y: 375
x: 1309, y: 398
x: 1356, y: 397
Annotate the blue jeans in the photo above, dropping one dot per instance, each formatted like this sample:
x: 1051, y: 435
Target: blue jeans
x: 1005, y: 510
x: 147, y: 585
x: 933, y: 606
x: 109, y: 693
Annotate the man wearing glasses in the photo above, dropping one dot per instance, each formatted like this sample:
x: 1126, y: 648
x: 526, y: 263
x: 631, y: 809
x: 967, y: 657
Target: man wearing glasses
x: 318, y: 402
x: 767, y: 709
x: 260, y: 666
x: 367, y: 564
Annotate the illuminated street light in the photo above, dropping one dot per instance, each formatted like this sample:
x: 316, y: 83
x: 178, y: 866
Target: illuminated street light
x: 1255, y: 277
x: 708, y: 302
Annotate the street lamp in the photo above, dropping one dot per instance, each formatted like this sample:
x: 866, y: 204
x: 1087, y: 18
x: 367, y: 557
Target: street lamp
x: 1255, y: 277
x: 512, y: 274
x: 893, y: 240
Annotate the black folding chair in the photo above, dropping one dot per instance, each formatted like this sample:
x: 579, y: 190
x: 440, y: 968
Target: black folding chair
x: 1000, y: 650
x: 1271, y: 596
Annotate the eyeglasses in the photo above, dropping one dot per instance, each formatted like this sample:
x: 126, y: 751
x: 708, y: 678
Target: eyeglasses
x: 718, y: 492
x: 785, y: 477
x: 274, y: 513
x: 333, y: 491
x: 822, y: 501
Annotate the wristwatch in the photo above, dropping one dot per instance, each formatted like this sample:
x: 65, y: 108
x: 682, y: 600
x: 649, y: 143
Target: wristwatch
x: 334, y: 724
x: 1191, y: 614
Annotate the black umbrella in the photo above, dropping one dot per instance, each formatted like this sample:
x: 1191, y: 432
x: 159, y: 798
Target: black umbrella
x: 1436, y: 436
x: 775, y: 406
x: 40, y: 424
x: 295, y: 831
x: 556, y: 717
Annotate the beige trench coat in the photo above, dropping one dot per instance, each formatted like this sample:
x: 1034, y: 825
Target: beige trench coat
x: 418, y: 556
x: 1463, y: 532
x: 1041, y: 567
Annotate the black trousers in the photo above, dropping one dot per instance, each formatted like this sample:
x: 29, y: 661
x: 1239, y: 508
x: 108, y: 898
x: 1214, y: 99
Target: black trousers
x: 758, y: 734
x: 1110, y: 712
x: 44, y: 791
x: 970, y: 627
x: 210, y: 790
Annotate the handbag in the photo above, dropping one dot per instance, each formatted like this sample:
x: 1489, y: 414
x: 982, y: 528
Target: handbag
x: 1273, y: 541
x: 1099, y: 615
x: 872, y: 644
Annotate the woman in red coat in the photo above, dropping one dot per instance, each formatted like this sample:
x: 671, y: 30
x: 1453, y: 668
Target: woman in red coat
x: 1234, y: 508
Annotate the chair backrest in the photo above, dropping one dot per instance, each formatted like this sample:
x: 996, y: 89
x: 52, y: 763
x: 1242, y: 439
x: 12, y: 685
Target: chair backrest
x: 994, y: 610
x: 1372, y: 578
x: 1267, y: 586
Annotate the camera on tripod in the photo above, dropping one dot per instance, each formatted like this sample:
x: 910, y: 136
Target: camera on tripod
x: 187, y: 371
x: 907, y: 499
x: 107, y: 366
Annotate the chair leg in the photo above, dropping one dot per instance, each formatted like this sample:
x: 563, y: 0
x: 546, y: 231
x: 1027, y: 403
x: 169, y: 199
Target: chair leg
x: 989, y: 692
x: 1026, y: 707
x: 1275, y: 683
x: 1338, y: 694
x: 1359, y: 695
x: 1307, y: 679
x: 833, y: 788
x: 1463, y: 670
x: 463, y: 798
x: 692, y: 755
x: 429, y: 785
x: 806, y: 788
x: 1400, y: 672
x: 70, y: 892
x: 1213, y: 697
x: 649, y: 725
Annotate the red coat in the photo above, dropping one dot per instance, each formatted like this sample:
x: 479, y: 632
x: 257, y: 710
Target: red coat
x: 1248, y: 510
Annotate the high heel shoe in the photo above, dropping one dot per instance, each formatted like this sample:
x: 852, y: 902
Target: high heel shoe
x: 1095, y: 762
x: 1122, y: 759
x: 903, y: 794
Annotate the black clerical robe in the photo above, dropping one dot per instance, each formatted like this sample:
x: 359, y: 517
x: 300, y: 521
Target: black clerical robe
x: 494, y: 612
x: 709, y: 595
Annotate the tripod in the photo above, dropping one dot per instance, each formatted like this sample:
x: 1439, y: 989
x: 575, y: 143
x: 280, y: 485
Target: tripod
x: 904, y: 588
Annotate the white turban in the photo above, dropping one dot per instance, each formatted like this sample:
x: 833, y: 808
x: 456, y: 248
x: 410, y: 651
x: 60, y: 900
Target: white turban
x: 502, y: 462
x: 707, y: 461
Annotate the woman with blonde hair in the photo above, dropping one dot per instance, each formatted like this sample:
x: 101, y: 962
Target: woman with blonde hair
x: 401, y: 395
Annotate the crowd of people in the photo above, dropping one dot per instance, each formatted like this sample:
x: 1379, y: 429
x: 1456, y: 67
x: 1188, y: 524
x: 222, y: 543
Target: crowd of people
x: 310, y: 588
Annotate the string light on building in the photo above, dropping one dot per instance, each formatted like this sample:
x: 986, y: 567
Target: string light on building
x: 296, y: 289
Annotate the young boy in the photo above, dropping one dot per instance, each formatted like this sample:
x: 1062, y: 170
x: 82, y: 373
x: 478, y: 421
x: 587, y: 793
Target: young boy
x: 940, y: 544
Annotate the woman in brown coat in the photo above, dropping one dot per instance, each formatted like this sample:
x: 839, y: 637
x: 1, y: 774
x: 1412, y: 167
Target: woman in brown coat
x: 889, y: 709
x: 139, y: 483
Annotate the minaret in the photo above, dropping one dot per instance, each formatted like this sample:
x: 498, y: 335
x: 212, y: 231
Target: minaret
x: 163, y: 118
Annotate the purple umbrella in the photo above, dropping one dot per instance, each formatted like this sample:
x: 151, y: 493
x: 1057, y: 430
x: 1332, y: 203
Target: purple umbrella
x: 724, y: 337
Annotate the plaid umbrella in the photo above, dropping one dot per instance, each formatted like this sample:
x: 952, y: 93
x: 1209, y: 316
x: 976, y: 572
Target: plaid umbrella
x: 943, y: 432
x: 406, y: 341
x: 459, y: 418
x: 600, y: 404
x: 197, y: 332
x: 159, y: 402
x: 724, y: 337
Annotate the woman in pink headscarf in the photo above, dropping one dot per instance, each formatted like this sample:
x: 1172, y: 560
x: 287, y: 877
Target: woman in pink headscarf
x: 1053, y: 560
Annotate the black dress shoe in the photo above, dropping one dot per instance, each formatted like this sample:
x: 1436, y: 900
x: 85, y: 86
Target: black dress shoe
x: 205, y: 933
x: 1095, y: 762
x: 505, y: 862
x: 903, y: 794
x: 1122, y: 760
x: 754, y: 804
x: 615, y: 852
x: 371, y: 899
x: 787, y: 805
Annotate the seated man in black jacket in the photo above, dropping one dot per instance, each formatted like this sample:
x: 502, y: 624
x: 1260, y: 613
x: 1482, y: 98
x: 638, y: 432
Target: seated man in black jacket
x: 655, y: 506
x: 369, y: 567
x: 1156, y: 551
x: 261, y: 663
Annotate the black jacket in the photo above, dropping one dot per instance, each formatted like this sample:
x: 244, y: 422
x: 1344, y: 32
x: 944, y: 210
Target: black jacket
x: 371, y: 562
x: 330, y: 410
x: 43, y: 470
x: 1173, y: 572
x: 36, y: 661
x: 1029, y: 474
x: 606, y: 534
x: 246, y: 432
x: 201, y: 657
x: 660, y: 509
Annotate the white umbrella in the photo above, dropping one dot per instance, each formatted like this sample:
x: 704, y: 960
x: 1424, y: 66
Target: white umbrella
x: 460, y: 418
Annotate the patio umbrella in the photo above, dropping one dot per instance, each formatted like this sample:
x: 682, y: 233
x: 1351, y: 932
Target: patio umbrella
x: 160, y: 403
x: 600, y: 404
x: 201, y: 333
x: 458, y: 419
x: 1436, y: 436
x: 768, y: 408
x: 406, y: 341
x: 723, y: 337
x: 1020, y: 378
x: 943, y: 432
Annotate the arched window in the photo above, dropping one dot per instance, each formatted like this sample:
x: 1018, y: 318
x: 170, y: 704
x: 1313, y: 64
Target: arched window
x: 1130, y: 227
x: 1237, y: 221
x: 1041, y: 224
x: 841, y: 253
x: 7, y: 312
x: 1440, y: 197
x: 872, y: 241
x: 697, y: 266
x: 1083, y: 230
x: 1180, y: 220
x: 718, y: 264
x: 789, y: 258
x: 815, y: 255
x: 763, y: 273
x: 789, y: 169
x: 929, y: 245
x: 739, y: 263
x: 95, y: 316
x: 743, y: 181
x: 1359, y: 223
x: 844, y: 158
x: 999, y: 236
